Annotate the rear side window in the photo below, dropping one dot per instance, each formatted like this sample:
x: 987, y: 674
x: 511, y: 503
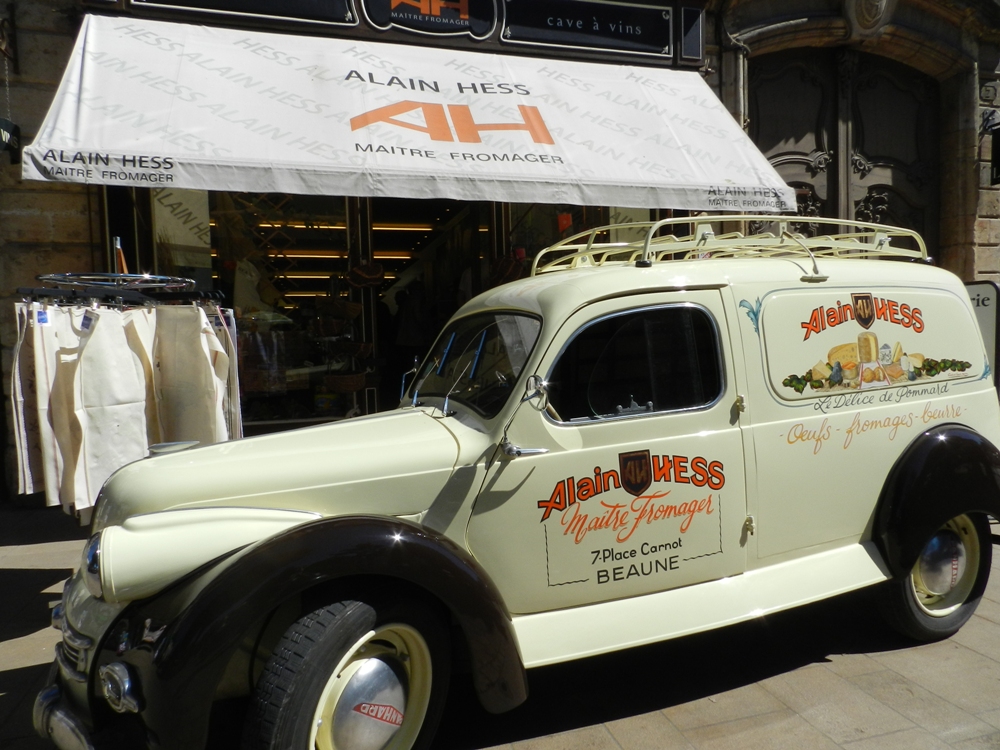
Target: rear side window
x: 640, y: 362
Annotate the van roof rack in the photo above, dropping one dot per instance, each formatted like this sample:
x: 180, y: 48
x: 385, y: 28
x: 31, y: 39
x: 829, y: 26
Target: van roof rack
x: 773, y: 239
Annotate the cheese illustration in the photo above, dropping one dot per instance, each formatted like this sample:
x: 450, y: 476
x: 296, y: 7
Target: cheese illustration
x: 867, y: 347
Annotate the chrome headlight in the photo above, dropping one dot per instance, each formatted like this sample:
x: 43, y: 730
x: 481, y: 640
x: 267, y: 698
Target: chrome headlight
x: 90, y: 566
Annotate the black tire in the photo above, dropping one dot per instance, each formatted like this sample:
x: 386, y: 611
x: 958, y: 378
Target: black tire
x: 932, y: 612
x: 393, y: 664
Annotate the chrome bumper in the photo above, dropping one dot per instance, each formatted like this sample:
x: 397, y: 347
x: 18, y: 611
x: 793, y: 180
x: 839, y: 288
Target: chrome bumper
x: 55, y: 721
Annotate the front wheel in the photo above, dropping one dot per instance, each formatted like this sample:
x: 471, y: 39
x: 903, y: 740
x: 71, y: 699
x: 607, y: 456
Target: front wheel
x: 943, y: 589
x: 348, y: 677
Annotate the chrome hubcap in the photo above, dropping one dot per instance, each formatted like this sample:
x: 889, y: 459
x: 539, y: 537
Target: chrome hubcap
x: 370, y: 710
x: 946, y: 570
x: 377, y: 696
x: 942, y: 563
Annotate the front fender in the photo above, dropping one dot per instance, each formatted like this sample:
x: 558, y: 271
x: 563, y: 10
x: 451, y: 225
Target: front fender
x: 947, y: 470
x: 179, y: 670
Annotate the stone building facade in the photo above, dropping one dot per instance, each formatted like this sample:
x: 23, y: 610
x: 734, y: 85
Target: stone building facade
x: 872, y: 109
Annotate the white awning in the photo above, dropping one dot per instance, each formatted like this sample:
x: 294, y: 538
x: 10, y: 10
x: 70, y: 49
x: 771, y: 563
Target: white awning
x: 151, y: 104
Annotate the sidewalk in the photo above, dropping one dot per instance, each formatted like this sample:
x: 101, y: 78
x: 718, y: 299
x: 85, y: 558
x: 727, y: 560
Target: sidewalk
x: 826, y: 676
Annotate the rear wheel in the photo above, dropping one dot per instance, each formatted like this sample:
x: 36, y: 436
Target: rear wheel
x: 348, y: 677
x: 942, y: 590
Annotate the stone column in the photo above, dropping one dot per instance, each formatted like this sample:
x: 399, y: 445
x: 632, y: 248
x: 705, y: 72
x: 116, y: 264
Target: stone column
x: 44, y: 227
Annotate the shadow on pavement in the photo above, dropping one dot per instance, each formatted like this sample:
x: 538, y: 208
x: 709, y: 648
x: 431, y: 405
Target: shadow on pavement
x: 18, y: 688
x: 37, y: 524
x: 651, y: 678
x: 26, y: 609
x: 591, y: 691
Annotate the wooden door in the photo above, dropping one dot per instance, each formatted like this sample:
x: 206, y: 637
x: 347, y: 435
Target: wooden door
x: 855, y: 134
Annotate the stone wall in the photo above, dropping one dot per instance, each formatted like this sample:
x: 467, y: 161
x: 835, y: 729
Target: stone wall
x: 44, y: 227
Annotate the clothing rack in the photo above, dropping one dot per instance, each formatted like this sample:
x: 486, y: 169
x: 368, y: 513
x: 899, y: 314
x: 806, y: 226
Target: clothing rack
x: 109, y: 366
x: 86, y: 295
x: 118, y: 289
x: 103, y: 295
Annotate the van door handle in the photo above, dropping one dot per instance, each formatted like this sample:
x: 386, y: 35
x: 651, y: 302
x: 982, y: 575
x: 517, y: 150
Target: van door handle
x: 514, y: 451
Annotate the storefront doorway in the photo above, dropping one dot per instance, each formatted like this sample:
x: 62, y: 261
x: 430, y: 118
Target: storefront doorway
x: 335, y: 296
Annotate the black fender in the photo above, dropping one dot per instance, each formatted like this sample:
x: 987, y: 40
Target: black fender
x: 179, y: 671
x: 947, y: 470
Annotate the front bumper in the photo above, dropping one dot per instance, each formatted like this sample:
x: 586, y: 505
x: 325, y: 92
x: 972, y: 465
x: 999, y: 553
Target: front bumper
x: 106, y: 687
x: 55, y: 720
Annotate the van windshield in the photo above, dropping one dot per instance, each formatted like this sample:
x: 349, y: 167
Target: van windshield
x: 477, y: 360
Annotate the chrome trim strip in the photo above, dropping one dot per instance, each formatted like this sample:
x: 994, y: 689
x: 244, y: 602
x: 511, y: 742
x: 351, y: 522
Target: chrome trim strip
x: 66, y: 669
x: 75, y: 640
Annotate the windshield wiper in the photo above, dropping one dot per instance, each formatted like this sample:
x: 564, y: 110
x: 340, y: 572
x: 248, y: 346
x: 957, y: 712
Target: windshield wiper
x: 444, y: 408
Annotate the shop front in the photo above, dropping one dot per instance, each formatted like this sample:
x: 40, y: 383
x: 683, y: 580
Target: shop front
x: 347, y: 194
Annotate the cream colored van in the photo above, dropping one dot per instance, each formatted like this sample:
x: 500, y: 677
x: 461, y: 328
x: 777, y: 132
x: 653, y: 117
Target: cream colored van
x: 666, y: 428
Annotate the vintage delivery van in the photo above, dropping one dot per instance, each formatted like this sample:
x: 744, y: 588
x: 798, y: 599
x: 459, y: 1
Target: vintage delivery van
x: 651, y: 436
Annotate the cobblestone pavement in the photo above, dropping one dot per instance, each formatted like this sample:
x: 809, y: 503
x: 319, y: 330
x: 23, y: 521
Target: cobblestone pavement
x: 825, y: 676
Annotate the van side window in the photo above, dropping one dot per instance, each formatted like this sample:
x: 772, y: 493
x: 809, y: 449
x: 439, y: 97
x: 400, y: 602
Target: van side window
x: 650, y: 360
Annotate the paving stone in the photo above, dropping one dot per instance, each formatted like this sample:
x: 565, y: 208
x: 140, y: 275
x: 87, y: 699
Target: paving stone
x: 851, y: 665
x: 740, y: 703
x: 989, y: 609
x: 30, y: 650
x: 951, y: 671
x: 588, y: 738
x: 909, y: 739
x: 988, y: 742
x: 46, y: 556
x: 652, y: 731
x: 990, y: 717
x: 780, y: 730
x: 835, y: 706
x: 982, y: 636
x: 935, y: 714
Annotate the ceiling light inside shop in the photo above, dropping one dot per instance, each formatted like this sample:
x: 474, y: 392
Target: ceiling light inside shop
x: 403, y: 227
x: 310, y: 294
x: 300, y: 225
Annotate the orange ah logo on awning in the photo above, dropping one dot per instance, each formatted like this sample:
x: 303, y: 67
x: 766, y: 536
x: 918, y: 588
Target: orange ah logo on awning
x: 439, y: 128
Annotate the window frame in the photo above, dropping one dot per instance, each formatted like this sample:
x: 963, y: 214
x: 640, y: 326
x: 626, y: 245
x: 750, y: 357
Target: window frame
x: 408, y: 394
x: 719, y: 361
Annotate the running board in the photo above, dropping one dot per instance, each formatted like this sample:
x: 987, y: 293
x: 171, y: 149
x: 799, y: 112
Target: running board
x: 563, y: 635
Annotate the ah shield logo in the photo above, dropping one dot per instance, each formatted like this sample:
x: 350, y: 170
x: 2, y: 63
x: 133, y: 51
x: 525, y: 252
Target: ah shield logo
x: 477, y: 18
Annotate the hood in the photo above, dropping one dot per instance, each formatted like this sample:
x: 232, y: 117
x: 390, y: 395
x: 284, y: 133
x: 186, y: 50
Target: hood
x: 392, y: 463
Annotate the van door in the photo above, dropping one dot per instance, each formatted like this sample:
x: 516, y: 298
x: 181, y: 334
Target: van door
x: 632, y: 480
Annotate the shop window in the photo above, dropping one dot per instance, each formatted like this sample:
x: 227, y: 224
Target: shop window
x: 283, y: 263
x: 535, y: 226
x: 646, y: 361
x: 336, y: 296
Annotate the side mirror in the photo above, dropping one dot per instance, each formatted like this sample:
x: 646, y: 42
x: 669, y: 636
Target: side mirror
x: 535, y: 387
x: 402, y: 385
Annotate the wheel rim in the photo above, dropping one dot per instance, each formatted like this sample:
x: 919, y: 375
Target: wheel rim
x: 946, y: 571
x: 377, y: 696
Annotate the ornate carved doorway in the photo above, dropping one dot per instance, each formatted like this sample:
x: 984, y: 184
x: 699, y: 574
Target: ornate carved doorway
x: 856, y: 134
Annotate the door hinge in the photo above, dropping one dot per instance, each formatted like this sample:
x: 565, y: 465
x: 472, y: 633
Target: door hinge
x: 750, y: 525
x: 741, y: 404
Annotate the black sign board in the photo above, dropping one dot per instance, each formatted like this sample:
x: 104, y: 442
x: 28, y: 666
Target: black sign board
x: 477, y: 18
x: 637, y: 29
x: 10, y: 140
x: 339, y: 12
x: 985, y: 296
x: 995, y: 158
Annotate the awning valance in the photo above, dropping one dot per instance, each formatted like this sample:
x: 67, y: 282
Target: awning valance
x: 150, y: 103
